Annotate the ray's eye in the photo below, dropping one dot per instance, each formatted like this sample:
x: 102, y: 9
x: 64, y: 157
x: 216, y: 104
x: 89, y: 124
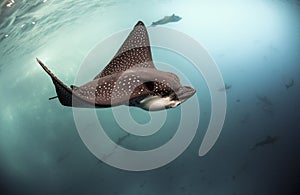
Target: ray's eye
x: 73, y: 87
x: 149, y: 85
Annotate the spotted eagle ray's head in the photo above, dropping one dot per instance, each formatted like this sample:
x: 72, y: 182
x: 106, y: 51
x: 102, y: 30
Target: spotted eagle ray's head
x: 130, y: 78
x: 162, y: 89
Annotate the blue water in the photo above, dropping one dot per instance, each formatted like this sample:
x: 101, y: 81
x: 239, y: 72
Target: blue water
x: 256, y: 45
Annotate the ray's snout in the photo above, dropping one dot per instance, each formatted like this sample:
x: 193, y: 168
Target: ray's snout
x: 185, y: 92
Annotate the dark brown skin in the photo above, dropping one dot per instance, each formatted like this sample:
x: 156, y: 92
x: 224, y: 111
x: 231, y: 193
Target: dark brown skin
x: 130, y: 76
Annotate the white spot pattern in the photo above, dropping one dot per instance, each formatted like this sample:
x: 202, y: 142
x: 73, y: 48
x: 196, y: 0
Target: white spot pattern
x: 135, y: 52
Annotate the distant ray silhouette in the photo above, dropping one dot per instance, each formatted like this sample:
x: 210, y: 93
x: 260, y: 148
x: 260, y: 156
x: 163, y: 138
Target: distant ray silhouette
x: 129, y: 79
x: 167, y: 19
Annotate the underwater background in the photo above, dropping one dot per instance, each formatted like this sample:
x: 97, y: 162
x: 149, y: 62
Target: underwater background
x: 256, y: 45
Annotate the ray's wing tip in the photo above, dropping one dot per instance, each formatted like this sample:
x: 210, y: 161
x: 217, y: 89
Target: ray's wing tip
x: 140, y: 23
x: 39, y: 61
x: 44, y: 66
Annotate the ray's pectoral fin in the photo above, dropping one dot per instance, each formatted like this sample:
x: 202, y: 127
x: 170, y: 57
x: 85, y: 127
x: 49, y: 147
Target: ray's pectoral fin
x: 135, y: 52
x: 64, y: 93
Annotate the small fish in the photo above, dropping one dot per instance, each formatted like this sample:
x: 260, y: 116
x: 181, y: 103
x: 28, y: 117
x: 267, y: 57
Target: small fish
x: 265, y: 100
x: 266, y: 141
x: 226, y: 87
x: 167, y: 19
x: 291, y: 83
x: 63, y: 157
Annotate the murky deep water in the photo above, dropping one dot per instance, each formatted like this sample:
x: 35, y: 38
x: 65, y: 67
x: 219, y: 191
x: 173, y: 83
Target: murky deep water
x: 256, y: 45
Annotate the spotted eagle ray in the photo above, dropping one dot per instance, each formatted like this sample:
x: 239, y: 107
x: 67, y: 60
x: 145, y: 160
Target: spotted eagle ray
x: 129, y: 79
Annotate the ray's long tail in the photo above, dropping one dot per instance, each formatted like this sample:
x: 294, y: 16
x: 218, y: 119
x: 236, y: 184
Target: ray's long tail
x: 64, y: 93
